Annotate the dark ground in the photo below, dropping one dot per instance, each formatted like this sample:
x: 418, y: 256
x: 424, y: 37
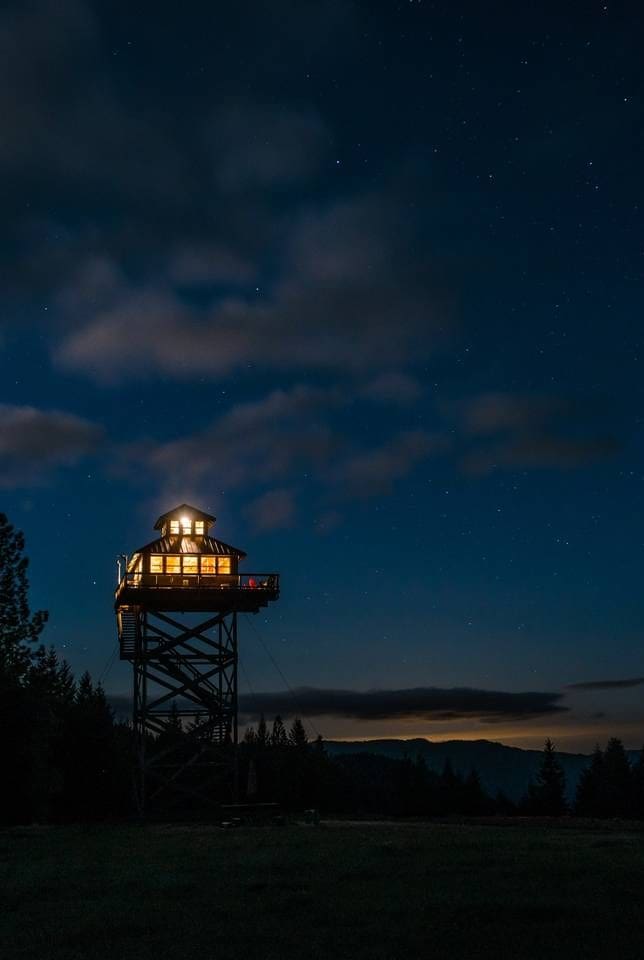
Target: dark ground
x: 381, y: 891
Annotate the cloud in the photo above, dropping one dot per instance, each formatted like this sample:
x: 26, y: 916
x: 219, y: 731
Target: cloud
x: 607, y: 684
x: 529, y: 431
x: 372, y: 472
x: 107, y: 156
x: 257, y: 442
x: 197, y: 190
x: 352, y: 296
x: 490, y: 413
x: 273, y: 510
x: 283, y: 442
x: 203, y: 264
x: 394, y: 387
x: 63, y: 115
x: 542, y: 452
x: 260, y: 146
x: 430, y: 703
x: 41, y: 45
x: 34, y: 442
x: 160, y: 334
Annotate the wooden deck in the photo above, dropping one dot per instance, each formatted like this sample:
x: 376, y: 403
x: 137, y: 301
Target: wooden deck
x: 244, y: 593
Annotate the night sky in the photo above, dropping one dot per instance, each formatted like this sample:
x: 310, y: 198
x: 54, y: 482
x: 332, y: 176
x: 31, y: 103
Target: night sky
x: 363, y: 278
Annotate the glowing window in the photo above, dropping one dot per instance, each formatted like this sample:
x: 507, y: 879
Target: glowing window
x: 223, y: 565
x: 174, y: 526
x: 190, y: 564
x: 173, y: 564
x: 199, y: 528
x: 156, y: 564
x: 208, y: 565
x: 186, y: 526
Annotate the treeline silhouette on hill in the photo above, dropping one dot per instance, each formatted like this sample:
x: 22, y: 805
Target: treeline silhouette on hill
x: 66, y: 758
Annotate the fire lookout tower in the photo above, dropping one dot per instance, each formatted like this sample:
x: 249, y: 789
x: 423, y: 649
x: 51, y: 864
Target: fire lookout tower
x: 176, y: 609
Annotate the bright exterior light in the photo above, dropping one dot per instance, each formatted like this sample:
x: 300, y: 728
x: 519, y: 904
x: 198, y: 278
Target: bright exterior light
x: 185, y: 521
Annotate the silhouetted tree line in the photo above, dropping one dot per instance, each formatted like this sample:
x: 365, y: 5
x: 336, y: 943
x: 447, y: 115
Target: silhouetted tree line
x: 611, y: 786
x: 65, y: 758
x: 63, y: 755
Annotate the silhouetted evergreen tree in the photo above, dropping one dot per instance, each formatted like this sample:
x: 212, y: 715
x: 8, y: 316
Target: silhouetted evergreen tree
x: 297, y: 734
x: 174, y: 720
x: 24, y: 717
x: 262, y: 737
x: 19, y: 628
x: 173, y: 737
x: 546, y: 795
x: 618, y: 784
x: 588, y: 796
x: 404, y: 797
x: 476, y: 802
x: 638, y: 786
x: 608, y: 787
x: 418, y: 801
x: 52, y: 678
x: 449, y: 796
x: 279, y: 736
x: 92, y: 786
x: 51, y: 683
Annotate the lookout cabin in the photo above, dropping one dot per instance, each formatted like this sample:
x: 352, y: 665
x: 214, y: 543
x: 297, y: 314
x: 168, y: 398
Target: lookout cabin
x: 188, y: 569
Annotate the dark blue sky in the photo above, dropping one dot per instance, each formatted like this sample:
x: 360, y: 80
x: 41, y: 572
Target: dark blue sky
x: 364, y: 279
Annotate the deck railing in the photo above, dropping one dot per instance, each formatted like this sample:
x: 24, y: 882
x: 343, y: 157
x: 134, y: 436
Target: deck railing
x: 201, y: 581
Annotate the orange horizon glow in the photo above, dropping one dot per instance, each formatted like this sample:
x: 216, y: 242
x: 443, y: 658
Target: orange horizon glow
x: 571, y: 737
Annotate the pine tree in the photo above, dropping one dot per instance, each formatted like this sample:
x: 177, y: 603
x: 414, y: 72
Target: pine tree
x: 91, y: 754
x: 476, y: 801
x: 24, y: 716
x: 547, y: 793
x: 279, y: 736
x: 638, y: 786
x: 52, y: 678
x: 261, y: 737
x: 450, y: 790
x: 588, y: 796
x: 19, y: 628
x: 297, y: 734
x: 608, y: 787
x: 250, y: 737
x: 173, y: 735
x: 618, y: 781
x: 174, y: 720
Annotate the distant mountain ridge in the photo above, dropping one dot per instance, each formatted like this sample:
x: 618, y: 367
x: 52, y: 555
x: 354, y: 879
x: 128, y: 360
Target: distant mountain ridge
x: 500, y: 767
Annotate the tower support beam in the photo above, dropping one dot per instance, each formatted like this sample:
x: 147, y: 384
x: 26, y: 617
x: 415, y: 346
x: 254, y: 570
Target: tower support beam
x: 185, y: 708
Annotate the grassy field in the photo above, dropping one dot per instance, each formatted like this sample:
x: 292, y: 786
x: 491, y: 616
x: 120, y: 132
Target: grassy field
x: 377, y: 891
